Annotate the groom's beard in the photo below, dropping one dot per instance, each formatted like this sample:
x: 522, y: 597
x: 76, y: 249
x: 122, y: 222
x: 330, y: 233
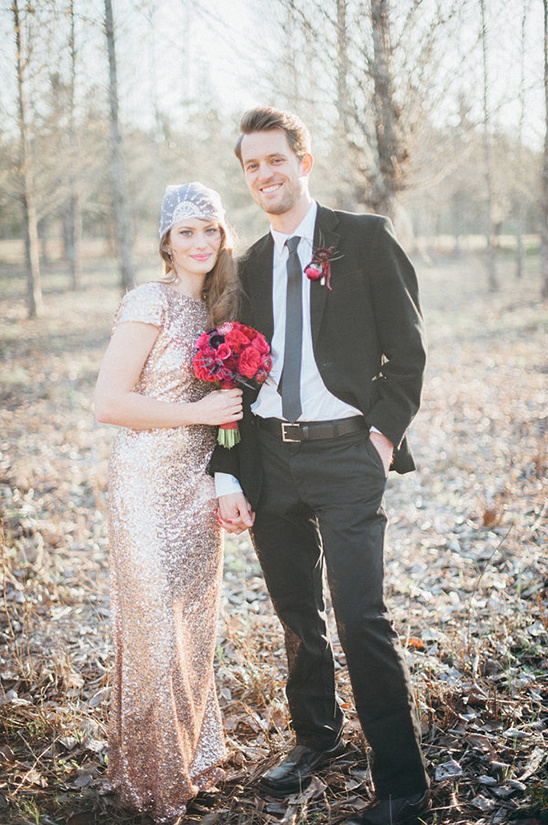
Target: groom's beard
x: 286, y: 197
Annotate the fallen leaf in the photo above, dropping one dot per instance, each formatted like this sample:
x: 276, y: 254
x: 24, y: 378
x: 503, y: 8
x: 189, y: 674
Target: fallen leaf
x: 482, y: 803
x: 448, y: 770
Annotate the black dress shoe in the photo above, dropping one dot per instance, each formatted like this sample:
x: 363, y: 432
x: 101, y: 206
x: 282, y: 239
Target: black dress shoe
x: 294, y: 772
x: 394, y: 811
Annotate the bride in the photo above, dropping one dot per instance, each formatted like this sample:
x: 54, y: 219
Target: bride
x: 165, y: 732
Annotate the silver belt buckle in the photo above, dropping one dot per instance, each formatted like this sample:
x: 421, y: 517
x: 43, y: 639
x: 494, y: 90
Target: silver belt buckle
x: 285, y: 438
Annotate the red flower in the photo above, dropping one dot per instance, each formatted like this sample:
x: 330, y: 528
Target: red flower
x: 260, y: 344
x: 313, y: 273
x: 237, y: 340
x: 250, y: 361
x: 203, y: 340
x: 264, y: 369
x: 223, y: 352
x: 226, y: 377
x: 232, y: 365
x: 200, y: 369
x: 237, y: 336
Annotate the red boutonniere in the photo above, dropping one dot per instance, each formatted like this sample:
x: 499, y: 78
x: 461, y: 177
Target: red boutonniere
x: 319, y: 267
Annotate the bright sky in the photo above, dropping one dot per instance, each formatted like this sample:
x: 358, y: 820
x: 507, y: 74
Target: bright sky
x: 190, y: 55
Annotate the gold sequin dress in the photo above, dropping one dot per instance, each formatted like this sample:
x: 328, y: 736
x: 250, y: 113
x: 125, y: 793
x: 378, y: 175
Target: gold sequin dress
x: 165, y: 735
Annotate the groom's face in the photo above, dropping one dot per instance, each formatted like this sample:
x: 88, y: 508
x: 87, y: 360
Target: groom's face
x: 275, y: 176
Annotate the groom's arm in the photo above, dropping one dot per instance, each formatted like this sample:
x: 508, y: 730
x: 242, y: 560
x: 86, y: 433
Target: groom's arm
x: 225, y: 460
x: 400, y: 327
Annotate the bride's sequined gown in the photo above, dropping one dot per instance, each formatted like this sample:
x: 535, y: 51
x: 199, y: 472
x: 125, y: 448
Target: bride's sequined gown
x: 165, y: 736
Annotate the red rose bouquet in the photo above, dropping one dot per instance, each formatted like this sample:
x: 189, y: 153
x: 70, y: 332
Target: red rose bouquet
x: 232, y: 354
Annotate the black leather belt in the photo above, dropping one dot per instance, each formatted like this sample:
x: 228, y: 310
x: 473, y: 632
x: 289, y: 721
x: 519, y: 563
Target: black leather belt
x: 311, y: 430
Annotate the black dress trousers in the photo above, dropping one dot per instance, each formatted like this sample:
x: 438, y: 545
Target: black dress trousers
x: 322, y: 506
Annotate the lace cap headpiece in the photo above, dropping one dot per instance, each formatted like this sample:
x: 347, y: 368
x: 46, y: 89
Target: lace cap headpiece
x: 190, y: 200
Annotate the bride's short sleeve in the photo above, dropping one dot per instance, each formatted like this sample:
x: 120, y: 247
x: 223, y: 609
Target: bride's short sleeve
x: 146, y: 305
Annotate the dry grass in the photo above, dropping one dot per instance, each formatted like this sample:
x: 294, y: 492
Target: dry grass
x: 467, y: 573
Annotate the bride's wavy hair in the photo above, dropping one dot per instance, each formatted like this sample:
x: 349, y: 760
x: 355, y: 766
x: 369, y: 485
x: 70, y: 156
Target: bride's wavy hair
x: 221, y: 290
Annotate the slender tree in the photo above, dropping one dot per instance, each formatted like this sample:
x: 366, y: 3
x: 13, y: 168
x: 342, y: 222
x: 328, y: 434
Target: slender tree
x: 349, y: 190
x: 344, y: 198
x: 73, y: 207
x: 342, y: 64
x: 544, y: 217
x: 489, y: 247
x: 520, y: 158
x: 28, y: 196
x: 122, y: 217
x: 393, y: 153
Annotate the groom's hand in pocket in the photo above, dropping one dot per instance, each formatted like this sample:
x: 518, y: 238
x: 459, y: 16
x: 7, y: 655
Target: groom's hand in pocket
x: 384, y: 447
x: 234, y: 513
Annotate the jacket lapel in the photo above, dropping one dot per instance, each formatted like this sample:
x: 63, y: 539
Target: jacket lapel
x: 258, y: 285
x: 324, y: 235
x: 258, y: 276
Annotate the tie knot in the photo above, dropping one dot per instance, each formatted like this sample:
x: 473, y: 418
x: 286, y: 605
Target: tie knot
x: 292, y: 243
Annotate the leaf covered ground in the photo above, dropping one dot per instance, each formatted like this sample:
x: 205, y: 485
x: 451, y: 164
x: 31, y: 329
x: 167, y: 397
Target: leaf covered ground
x: 466, y: 572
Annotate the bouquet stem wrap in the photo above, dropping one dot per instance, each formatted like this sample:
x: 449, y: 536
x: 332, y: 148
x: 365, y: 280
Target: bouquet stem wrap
x: 229, y: 434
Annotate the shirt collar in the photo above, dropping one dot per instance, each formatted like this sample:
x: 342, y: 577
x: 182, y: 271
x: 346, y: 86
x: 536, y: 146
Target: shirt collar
x: 305, y: 230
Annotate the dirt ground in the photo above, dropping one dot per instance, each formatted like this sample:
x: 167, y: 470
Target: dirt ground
x: 466, y: 571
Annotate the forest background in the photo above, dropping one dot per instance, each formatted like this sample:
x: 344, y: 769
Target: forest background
x: 432, y: 112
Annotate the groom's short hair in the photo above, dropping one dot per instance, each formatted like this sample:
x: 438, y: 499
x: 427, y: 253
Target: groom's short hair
x: 267, y: 118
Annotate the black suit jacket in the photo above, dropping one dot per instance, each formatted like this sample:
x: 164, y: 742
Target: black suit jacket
x: 367, y: 333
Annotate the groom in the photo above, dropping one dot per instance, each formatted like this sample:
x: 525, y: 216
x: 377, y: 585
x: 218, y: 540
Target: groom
x: 337, y: 297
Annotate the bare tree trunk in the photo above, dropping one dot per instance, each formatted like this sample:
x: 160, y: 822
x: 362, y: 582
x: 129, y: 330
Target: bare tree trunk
x: 74, y: 211
x: 521, y: 209
x: 347, y: 186
x: 158, y: 128
x: 519, y: 243
x: 342, y: 65
x: 544, y: 216
x: 392, y: 152
x: 489, y: 248
x: 42, y: 229
x: 32, y: 255
x: 121, y: 207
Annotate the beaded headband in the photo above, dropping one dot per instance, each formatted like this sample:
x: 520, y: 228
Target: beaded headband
x: 190, y: 200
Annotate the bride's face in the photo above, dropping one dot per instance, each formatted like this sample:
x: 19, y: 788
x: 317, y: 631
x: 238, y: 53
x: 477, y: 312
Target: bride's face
x: 194, y: 245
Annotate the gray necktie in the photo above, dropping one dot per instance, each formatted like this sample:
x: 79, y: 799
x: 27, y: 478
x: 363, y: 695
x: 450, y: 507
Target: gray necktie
x: 291, y: 374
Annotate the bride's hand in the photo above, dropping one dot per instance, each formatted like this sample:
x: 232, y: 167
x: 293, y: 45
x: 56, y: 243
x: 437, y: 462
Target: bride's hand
x: 218, y: 407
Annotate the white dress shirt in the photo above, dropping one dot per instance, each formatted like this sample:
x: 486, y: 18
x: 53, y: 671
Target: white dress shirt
x: 318, y: 404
